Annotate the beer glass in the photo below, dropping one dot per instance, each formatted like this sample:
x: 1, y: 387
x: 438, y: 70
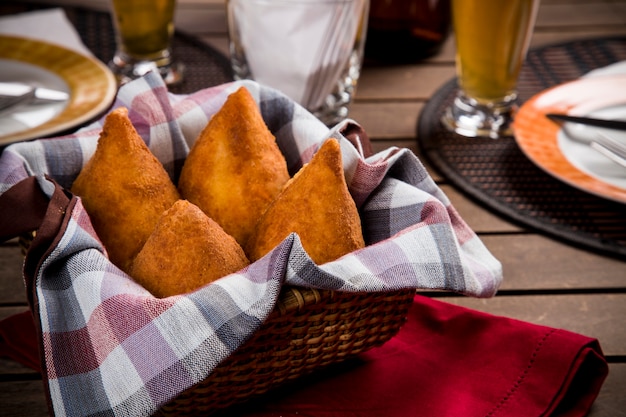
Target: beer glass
x: 492, y: 38
x: 144, y: 30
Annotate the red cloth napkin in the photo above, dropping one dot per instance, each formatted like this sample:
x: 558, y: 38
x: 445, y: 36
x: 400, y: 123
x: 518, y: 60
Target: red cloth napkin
x: 446, y: 361
x: 452, y: 361
x: 18, y: 340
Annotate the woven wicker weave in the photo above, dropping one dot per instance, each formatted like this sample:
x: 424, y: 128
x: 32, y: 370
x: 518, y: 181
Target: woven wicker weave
x: 307, y: 330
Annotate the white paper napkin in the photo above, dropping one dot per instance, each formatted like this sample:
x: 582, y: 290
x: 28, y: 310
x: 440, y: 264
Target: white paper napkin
x: 50, y: 25
x: 299, y: 48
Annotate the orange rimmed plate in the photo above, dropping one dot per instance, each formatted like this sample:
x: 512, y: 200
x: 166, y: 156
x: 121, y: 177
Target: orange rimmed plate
x: 90, y: 84
x: 554, y: 149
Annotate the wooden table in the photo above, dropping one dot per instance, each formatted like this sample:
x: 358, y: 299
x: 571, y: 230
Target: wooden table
x: 546, y: 281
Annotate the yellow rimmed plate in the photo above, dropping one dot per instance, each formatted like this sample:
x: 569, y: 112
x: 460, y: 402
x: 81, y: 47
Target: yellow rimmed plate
x: 552, y: 146
x: 90, y: 84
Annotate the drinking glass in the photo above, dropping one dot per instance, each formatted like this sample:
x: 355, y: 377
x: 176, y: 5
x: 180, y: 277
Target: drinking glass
x: 311, y: 50
x: 144, y: 30
x: 492, y: 38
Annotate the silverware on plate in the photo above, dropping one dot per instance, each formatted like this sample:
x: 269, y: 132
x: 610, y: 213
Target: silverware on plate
x: 14, y: 94
x: 9, y: 100
x: 590, y: 121
x: 610, y: 147
x: 596, y: 133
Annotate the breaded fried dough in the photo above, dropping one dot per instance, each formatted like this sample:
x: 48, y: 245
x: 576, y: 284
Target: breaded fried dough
x: 317, y: 205
x: 186, y: 251
x: 235, y: 168
x: 124, y: 189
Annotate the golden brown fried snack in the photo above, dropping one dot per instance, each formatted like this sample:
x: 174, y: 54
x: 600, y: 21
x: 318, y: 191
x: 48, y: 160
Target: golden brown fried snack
x: 186, y: 251
x: 317, y: 205
x: 124, y: 188
x: 235, y: 169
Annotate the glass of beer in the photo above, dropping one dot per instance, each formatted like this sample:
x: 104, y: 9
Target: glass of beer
x: 492, y: 38
x: 144, y: 30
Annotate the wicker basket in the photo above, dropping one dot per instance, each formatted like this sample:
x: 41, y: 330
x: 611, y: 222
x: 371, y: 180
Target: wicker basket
x: 307, y: 330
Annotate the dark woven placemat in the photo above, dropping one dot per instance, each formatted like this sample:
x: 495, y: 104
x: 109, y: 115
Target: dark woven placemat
x: 498, y: 175
x: 204, y: 66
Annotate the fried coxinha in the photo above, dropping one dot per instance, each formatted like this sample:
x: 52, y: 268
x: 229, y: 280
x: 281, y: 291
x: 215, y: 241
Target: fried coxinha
x: 234, y: 202
x: 124, y: 188
x: 235, y: 169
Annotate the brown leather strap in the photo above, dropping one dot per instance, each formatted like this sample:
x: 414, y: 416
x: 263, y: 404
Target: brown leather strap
x: 357, y: 135
x: 23, y: 208
x: 26, y: 208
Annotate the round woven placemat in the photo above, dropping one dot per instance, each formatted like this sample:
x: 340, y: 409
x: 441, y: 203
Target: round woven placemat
x: 496, y: 173
x: 204, y: 66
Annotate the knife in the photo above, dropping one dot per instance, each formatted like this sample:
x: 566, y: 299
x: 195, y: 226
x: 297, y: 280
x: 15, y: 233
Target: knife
x: 40, y: 93
x: 609, y: 124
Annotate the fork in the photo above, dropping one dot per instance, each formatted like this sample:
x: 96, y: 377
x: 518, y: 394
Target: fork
x: 8, y: 101
x: 610, y: 147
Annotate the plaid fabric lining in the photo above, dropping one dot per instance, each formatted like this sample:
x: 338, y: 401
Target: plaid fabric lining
x: 113, y: 349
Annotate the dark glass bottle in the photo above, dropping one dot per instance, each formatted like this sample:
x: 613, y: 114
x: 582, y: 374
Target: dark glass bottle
x: 403, y: 31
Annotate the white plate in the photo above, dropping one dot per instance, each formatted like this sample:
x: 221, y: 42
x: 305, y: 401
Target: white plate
x: 90, y: 83
x: 559, y: 154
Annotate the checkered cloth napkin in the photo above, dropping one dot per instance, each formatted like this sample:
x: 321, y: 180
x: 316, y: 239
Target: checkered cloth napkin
x: 110, y: 348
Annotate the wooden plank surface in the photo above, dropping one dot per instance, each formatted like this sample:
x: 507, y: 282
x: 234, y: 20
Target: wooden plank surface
x: 599, y: 316
x: 23, y: 398
x: 546, y: 281
x: 16, y: 397
x: 611, y: 401
x: 11, y: 283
